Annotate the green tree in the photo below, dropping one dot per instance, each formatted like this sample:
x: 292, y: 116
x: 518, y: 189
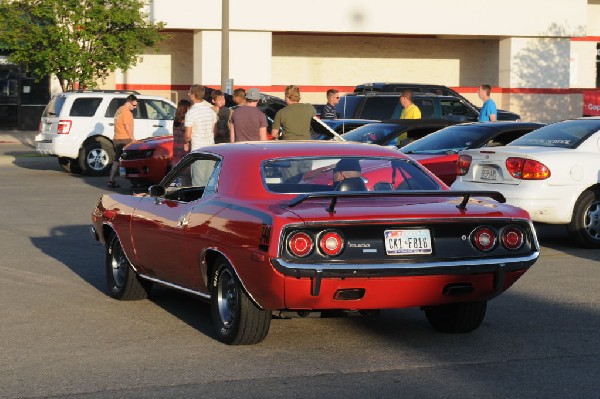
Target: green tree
x: 79, y: 41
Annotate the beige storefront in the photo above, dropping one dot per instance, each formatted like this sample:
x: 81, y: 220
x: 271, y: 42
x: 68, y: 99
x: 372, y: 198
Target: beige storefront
x: 537, y: 55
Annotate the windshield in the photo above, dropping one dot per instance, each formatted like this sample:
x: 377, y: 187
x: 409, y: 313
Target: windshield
x: 565, y: 134
x: 306, y: 175
x: 449, y: 140
x: 372, y: 133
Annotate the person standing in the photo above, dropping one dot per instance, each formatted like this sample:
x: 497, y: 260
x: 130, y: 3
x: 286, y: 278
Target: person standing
x: 223, y: 124
x: 199, y: 130
x: 123, y: 135
x: 249, y: 123
x: 239, y: 96
x: 488, y: 112
x: 179, y: 146
x: 295, y: 118
x: 410, y: 111
x: 329, y: 111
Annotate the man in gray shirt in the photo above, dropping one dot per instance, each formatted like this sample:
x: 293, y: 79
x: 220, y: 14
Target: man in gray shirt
x: 249, y: 123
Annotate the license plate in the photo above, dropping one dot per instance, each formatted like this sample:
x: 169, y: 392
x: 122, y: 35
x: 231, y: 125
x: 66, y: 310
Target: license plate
x: 407, y: 242
x: 488, y: 173
x: 122, y: 171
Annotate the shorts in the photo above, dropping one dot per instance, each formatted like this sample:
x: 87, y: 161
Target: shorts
x: 119, y: 145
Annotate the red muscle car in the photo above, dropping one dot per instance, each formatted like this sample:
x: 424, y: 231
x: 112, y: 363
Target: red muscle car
x: 267, y: 228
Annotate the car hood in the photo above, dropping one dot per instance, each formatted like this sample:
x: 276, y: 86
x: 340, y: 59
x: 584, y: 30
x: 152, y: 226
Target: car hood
x: 376, y: 207
x: 150, y: 142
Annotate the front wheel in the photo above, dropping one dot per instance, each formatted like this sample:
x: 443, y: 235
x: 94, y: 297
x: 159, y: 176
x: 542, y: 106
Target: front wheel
x: 585, y: 224
x: 237, y: 320
x: 456, y: 317
x: 96, y: 156
x: 122, y: 281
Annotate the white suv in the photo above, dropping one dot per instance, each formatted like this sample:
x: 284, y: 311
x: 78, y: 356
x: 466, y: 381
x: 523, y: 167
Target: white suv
x: 78, y: 127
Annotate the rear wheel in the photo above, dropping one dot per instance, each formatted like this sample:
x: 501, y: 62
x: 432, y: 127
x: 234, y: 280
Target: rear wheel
x: 96, y: 156
x: 237, y: 320
x: 69, y: 165
x: 585, y: 224
x: 122, y: 281
x: 456, y: 317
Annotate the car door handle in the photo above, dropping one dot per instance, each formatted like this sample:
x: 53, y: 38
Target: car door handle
x: 158, y: 125
x: 111, y: 124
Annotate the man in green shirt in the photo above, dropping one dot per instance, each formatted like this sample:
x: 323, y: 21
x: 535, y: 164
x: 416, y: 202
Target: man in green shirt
x: 295, y: 118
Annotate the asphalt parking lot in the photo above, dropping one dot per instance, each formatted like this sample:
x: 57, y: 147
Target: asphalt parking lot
x: 62, y: 336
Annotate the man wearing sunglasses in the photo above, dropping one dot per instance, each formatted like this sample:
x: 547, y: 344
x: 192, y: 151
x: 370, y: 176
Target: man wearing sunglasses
x: 329, y: 111
x: 123, y: 134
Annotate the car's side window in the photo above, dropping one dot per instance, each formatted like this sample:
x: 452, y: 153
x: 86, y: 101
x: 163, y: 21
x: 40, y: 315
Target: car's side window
x: 86, y: 106
x: 156, y: 109
x: 426, y: 108
x: 195, y: 180
x: 379, y: 108
x: 114, y: 105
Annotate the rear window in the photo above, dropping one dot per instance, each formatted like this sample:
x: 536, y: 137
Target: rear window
x: 86, y: 106
x: 54, y: 106
x: 565, y: 134
x: 450, y: 140
x: 307, y: 175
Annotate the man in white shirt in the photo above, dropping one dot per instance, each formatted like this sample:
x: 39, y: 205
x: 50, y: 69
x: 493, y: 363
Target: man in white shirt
x: 199, y: 124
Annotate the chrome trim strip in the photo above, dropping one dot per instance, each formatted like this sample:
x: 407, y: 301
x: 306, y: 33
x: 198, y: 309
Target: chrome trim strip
x: 462, y: 266
x: 175, y: 286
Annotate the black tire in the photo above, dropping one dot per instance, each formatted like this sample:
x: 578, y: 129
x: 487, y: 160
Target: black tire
x: 584, y: 228
x: 69, y: 165
x: 122, y: 281
x: 237, y: 320
x: 96, y: 156
x: 456, y: 317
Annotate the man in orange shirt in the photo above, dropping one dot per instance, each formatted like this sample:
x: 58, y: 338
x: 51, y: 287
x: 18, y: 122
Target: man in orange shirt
x: 123, y: 134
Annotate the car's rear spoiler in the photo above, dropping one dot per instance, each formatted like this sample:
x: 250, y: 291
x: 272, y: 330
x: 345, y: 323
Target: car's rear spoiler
x: 334, y: 195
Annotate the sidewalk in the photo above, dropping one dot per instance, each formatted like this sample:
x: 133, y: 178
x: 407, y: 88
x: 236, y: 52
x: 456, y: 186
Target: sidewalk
x: 17, y: 144
x: 25, y: 137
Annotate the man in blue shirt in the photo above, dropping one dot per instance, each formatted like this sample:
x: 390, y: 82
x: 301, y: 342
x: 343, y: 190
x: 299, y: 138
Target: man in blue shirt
x: 488, y: 112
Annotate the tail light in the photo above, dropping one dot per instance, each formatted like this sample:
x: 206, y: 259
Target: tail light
x: 527, y: 169
x: 300, y: 244
x: 463, y: 164
x: 484, y: 239
x: 512, y: 238
x: 331, y: 243
x: 64, y: 127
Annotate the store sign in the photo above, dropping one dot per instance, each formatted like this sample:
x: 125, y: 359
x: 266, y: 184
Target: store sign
x: 591, y: 103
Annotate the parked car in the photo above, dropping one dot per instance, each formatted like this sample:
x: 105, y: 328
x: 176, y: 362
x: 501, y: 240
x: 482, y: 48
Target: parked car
x: 272, y: 237
x: 77, y: 127
x: 427, y: 88
x: 438, y: 151
x: 382, y: 106
x: 147, y: 161
x: 552, y: 172
x: 396, y: 132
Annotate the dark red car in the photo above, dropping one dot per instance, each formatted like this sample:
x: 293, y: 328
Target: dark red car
x: 262, y: 228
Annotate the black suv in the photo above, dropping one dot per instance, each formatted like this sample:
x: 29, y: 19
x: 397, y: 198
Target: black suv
x: 426, y: 88
x: 380, y: 106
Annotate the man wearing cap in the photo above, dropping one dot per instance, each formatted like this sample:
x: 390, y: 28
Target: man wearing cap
x: 249, y: 123
x: 347, y: 176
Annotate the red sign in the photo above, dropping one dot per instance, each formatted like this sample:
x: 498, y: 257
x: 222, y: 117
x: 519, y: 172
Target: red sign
x: 591, y: 103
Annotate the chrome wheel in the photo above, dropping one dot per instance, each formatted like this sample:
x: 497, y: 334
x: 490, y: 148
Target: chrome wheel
x: 119, y: 266
x: 227, y: 298
x: 591, y: 221
x: 97, y: 159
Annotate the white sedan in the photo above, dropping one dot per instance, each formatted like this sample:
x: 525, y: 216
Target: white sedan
x: 552, y: 172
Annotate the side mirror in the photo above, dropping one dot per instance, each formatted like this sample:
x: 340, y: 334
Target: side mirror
x: 157, y: 191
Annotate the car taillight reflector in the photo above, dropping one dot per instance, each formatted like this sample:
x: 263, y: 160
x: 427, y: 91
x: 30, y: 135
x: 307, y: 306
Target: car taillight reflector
x: 300, y: 244
x: 331, y: 243
x: 463, y: 164
x: 484, y: 239
x: 512, y: 238
x: 527, y: 169
x: 64, y: 127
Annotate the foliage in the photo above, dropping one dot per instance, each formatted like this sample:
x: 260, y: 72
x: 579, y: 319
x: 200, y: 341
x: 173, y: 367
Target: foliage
x: 79, y: 41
